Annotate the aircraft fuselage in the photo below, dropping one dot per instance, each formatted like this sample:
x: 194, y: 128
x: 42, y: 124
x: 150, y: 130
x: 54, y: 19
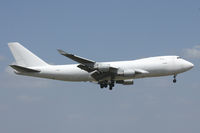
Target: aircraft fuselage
x: 154, y: 67
x: 104, y: 73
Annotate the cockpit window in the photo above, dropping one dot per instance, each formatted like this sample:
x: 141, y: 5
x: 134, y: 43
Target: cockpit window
x: 178, y: 57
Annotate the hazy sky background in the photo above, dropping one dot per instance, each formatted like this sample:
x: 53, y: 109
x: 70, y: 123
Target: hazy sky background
x: 103, y: 30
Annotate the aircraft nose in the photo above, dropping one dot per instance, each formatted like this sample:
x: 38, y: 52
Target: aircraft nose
x: 189, y: 65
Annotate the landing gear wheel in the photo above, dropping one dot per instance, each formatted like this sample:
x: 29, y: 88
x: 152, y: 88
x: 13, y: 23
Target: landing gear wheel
x: 106, y: 85
x: 110, y: 87
x: 101, y: 86
x: 112, y: 84
x: 174, y: 81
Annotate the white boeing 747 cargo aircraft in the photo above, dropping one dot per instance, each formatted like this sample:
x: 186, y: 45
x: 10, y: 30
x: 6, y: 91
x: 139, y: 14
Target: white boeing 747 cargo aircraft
x: 104, y: 73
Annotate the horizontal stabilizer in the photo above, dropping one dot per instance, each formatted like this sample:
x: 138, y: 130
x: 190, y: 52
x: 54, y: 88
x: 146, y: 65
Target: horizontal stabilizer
x: 23, y: 69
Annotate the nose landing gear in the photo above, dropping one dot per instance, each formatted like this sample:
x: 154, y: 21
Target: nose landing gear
x: 174, y: 81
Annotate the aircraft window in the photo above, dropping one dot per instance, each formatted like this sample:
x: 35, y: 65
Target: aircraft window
x: 179, y: 57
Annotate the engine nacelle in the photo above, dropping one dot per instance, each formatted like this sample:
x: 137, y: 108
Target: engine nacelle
x: 126, y: 73
x: 125, y: 82
x: 102, y: 67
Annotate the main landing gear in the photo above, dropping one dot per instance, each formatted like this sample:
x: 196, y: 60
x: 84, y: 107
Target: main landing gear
x: 174, y: 81
x: 111, y: 85
x: 105, y: 84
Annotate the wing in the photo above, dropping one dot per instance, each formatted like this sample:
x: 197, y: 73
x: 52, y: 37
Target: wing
x: 78, y: 59
x: 85, y: 64
x: 99, y: 71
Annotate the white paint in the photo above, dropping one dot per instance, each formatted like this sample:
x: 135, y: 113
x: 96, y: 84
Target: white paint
x: 141, y: 68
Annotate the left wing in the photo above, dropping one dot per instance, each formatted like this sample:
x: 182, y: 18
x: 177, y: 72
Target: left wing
x: 85, y: 64
x: 78, y: 59
x: 99, y: 71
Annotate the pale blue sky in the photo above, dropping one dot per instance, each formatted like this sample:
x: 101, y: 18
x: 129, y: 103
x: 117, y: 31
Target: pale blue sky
x: 103, y: 30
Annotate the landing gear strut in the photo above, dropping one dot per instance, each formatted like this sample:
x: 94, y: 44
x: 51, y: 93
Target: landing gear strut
x: 174, y: 81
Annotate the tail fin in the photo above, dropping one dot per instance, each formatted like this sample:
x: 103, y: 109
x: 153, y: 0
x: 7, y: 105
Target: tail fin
x: 24, y: 57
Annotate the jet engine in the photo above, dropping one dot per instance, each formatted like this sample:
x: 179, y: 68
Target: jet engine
x: 125, y: 82
x: 102, y: 67
x: 126, y: 73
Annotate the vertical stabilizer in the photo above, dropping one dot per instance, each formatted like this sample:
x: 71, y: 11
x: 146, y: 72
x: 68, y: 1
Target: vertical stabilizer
x: 24, y: 57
